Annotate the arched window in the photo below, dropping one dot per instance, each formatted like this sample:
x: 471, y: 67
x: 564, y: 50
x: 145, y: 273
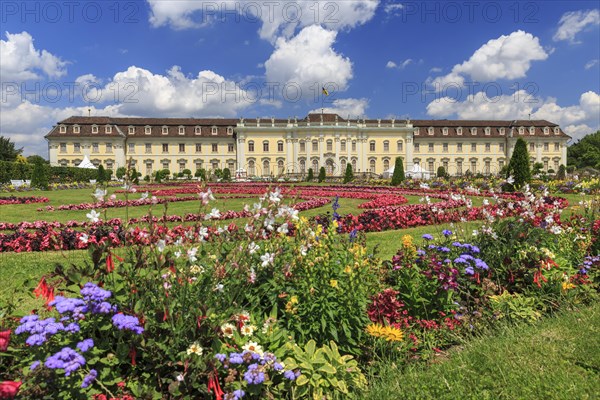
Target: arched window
x: 315, y: 167
x: 302, y: 166
x: 280, y: 168
x: 354, y: 165
x: 386, y: 165
x: 372, y: 166
x: 343, y: 164
x: 251, y: 146
x: 266, y: 167
x: 329, y: 167
x: 251, y: 168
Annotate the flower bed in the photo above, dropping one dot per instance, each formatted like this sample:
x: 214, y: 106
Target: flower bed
x: 22, y: 200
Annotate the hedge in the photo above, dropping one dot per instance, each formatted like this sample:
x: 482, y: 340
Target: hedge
x: 21, y: 171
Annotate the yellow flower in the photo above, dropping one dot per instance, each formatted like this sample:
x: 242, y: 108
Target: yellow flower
x: 289, y: 307
x: 407, y: 241
x: 333, y: 283
x: 567, y: 285
x: 195, y: 348
x: 348, y: 269
x: 388, y: 333
x: 248, y: 330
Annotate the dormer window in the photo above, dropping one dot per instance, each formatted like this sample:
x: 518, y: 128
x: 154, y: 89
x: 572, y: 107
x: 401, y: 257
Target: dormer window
x: 546, y: 130
x: 63, y: 129
x: 76, y: 129
x: 445, y: 131
x: 108, y: 129
x: 417, y: 131
x: 531, y: 130
x: 473, y: 131
x: 488, y: 131
x: 182, y: 130
x: 214, y: 130
x: 459, y: 131
x: 147, y: 130
x: 131, y: 130
x: 197, y: 130
x: 521, y: 131
x: 94, y: 128
x: 430, y: 130
x: 229, y: 130
x: 502, y: 131
x: 165, y: 130
x: 556, y: 130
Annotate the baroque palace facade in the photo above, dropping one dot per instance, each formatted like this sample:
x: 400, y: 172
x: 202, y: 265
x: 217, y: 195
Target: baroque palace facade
x: 276, y: 147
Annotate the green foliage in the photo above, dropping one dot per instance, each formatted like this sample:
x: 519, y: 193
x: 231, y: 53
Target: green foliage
x: 518, y: 167
x: 187, y: 173
x: 8, y: 152
x: 201, y: 173
x: 39, y: 179
x: 515, y: 307
x: 24, y: 171
x: 226, y: 175
x: 121, y: 171
x: 586, y: 152
x: 101, y: 174
x: 322, y: 174
x: 134, y: 176
x: 326, y: 374
x: 349, y: 175
x: 537, y: 168
x: 398, y: 176
x: 310, y: 175
x: 37, y: 159
x: 441, y: 172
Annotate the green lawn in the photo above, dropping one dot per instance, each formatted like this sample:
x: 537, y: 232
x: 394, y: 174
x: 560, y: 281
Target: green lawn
x: 556, y: 358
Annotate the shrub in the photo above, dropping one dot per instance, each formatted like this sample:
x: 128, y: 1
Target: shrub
x: 187, y: 173
x: 121, y: 171
x: 226, y: 175
x: 518, y: 167
x: 310, y: 175
x: 441, y: 172
x: 101, y: 178
x: 40, y: 177
x: 322, y: 174
x: 201, y: 173
x: 562, y: 172
x: 349, y: 175
x: 398, y: 176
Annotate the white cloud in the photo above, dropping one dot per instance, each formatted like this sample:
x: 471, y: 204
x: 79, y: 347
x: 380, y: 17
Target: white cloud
x: 345, y: 108
x: 393, y: 8
x: 277, y: 19
x: 435, y: 70
x: 590, y: 64
x: 507, y: 57
x: 573, y: 22
x: 21, y: 61
x: 391, y: 65
x: 403, y: 64
x: 308, y: 61
x: 576, y: 120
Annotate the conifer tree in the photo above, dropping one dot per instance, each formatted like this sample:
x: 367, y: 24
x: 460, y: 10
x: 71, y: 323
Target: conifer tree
x: 519, y: 167
x: 398, y: 176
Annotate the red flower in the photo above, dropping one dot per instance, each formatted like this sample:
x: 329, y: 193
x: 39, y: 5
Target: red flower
x: 110, y: 264
x: 213, y: 384
x: 43, y: 290
x: 133, y: 354
x: 9, y: 389
x: 4, y: 340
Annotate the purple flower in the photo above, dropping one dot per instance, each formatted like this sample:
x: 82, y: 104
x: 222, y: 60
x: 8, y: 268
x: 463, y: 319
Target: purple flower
x: 427, y: 236
x: 220, y: 357
x: 446, y: 232
x: 254, y: 375
x: 67, y: 359
x: 238, y: 394
x: 291, y: 375
x: 34, y: 365
x: 469, y: 271
x: 277, y: 366
x: 127, y: 322
x: 92, y: 292
x: 89, y: 378
x: 236, y: 358
x: 85, y: 345
x: 72, y: 327
x: 36, y: 340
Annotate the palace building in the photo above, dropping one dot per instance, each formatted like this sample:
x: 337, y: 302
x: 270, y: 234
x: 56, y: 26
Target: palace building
x: 279, y: 147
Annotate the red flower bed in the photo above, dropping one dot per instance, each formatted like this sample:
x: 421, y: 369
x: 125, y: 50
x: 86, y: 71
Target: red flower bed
x: 384, y: 201
x: 22, y: 200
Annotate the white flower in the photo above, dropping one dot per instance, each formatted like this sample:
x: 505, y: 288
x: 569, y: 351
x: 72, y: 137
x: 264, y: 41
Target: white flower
x: 219, y: 287
x: 253, y: 347
x: 275, y: 197
x: 180, y: 377
x: 424, y: 186
x: 179, y: 241
x: 99, y: 194
x: 253, y: 248
x: 196, y: 269
x: 113, y: 197
x: 206, y: 197
x: 214, y: 214
x: 248, y: 330
x: 192, y: 254
x: 93, y: 216
x: 283, y: 229
x: 84, y: 238
x: 195, y: 348
x: 557, y: 230
x: 178, y: 254
x: 486, y: 202
x: 154, y: 200
x: 160, y: 245
x: 145, y: 195
x: 269, y: 221
x: 228, y: 330
x: 510, y: 180
x: 266, y: 259
x: 248, y: 228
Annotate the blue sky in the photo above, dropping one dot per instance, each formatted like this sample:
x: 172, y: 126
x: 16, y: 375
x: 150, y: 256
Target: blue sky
x: 378, y: 58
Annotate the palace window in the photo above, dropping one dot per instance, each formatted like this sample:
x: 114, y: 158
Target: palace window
x: 265, y: 146
x: 459, y: 131
x: 430, y: 166
x: 230, y: 147
x: 63, y: 147
x: 131, y: 130
x: 445, y: 147
x: 76, y: 129
x: 198, y: 165
x: 445, y: 165
x: 197, y: 130
x: 148, y: 148
x: 556, y: 146
x: 473, y: 147
x: 165, y: 147
x: 459, y: 147
x: 372, y: 145
x: 280, y: 146
x: 546, y: 130
x: 108, y: 129
x: 546, y: 146
x: 445, y: 131
x: 487, y: 168
x: 502, y: 131
x: 250, y: 146
x: 165, y: 165
x: 214, y: 130
x: 148, y: 168
x: 280, y: 169
x: 501, y: 164
x: 545, y: 165
x: 165, y: 130
x: 343, y: 145
x: 399, y: 146
x: 473, y: 166
x: 372, y: 166
x: 181, y: 166
x: 181, y: 130
x: 531, y: 146
x: 182, y: 147
x: 354, y: 165
x: 386, y: 146
x: 215, y: 148
x: 229, y: 130
x: 302, y: 166
x: 556, y: 131
x: 147, y: 130
x: 330, y: 145
x: 354, y: 145
x: 198, y: 147
x: 63, y: 129
x: 215, y: 165
x: 488, y: 131
x: 488, y: 147
x: 131, y: 147
x: 94, y: 128
x: 315, y: 145
x: 430, y: 147
x: 266, y: 167
x: 417, y: 147
x: 459, y: 167
x: 95, y: 147
x: 303, y: 147
x: 430, y: 130
x: 386, y: 164
x: 531, y: 130
x: 556, y: 166
x: 501, y: 146
x: 521, y: 131
x: 473, y: 131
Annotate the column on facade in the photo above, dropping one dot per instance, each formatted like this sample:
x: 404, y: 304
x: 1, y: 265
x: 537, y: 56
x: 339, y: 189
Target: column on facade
x: 338, y: 149
x: 409, y: 151
x: 289, y: 152
x: 538, y: 152
x: 308, y: 147
x: 119, y: 151
x: 321, y: 146
x: 241, y: 149
x: 563, y: 153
